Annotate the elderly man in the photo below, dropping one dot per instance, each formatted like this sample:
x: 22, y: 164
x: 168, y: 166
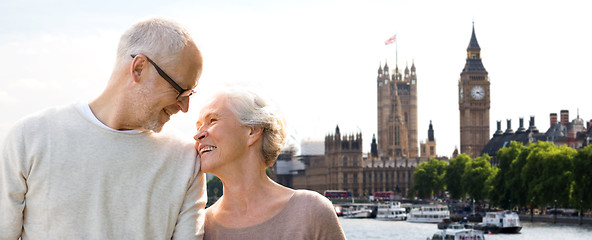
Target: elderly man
x: 102, y: 170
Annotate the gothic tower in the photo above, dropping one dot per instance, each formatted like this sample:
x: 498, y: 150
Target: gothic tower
x: 473, y: 101
x: 410, y: 101
x: 397, y: 113
x: 428, y: 149
x: 344, y: 161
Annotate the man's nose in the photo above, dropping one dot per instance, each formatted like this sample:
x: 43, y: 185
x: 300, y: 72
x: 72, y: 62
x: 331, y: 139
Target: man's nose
x: 184, y: 104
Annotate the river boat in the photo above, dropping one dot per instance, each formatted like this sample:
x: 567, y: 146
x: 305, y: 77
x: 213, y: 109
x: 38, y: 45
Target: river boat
x: 458, y: 234
x: 428, y: 213
x: 358, y: 212
x: 338, y: 210
x: 391, y: 211
x: 499, y: 222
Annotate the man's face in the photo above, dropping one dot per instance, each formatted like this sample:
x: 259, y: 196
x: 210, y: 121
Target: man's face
x: 157, y: 100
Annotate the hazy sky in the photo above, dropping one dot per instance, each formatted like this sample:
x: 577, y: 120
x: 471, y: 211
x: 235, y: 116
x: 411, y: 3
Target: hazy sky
x: 317, y: 59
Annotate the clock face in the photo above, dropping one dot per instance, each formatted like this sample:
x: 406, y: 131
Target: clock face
x: 461, y: 93
x: 478, y: 92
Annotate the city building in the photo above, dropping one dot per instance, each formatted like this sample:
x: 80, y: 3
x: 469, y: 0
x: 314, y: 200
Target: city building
x: 575, y: 134
x: 388, y: 166
x: 397, y: 112
x: 395, y: 151
x: 474, y: 102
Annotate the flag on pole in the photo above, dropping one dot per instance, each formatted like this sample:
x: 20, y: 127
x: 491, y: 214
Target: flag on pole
x: 390, y: 40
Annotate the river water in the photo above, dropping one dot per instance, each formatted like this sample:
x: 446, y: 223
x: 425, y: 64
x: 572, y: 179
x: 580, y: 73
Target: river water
x: 375, y: 229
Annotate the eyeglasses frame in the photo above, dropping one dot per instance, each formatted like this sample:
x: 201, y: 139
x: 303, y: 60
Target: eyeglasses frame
x: 182, y: 92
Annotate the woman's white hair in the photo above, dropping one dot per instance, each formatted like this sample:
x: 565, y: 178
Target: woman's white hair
x: 160, y: 39
x: 255, y: 110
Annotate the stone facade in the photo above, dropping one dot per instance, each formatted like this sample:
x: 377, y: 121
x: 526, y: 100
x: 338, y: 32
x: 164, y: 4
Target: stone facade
x: 575, y: 134
x: 474, y: 102
x: 389, y: 165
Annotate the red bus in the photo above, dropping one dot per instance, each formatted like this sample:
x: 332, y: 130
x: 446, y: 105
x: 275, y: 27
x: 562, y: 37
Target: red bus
x: 384, y: 196
x: 337, y: 194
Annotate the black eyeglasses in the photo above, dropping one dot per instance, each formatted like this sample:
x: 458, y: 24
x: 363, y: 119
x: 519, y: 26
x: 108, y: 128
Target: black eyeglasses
x: 183, y: 93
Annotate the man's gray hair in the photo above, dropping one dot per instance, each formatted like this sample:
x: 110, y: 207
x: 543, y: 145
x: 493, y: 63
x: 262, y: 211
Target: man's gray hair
x: 160, y: 39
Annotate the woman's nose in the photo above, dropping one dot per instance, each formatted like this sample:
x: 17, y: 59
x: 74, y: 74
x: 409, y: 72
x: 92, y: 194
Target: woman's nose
x: 200, y: 135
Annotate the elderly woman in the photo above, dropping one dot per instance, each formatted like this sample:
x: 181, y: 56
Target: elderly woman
x: 239, y: 135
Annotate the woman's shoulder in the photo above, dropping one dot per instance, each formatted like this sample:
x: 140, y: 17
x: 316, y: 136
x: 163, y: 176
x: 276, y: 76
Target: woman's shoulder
x: 321, y: 218
x: 309, y: 195
x: 312, y: 199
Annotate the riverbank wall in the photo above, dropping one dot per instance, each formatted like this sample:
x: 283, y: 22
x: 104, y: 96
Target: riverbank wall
x: 549, y: 218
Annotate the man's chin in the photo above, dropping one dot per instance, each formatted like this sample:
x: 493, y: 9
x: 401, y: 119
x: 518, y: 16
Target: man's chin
x: 154, y: 126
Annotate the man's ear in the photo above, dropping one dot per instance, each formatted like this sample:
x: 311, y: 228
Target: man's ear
x: 138, y: 64
x: 255, y: 134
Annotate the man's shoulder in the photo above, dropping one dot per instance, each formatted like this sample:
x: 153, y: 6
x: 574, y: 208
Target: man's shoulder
x: 174, y: 138
x: 176, y: 144
x: 49, y: 112
x: 42, y: 117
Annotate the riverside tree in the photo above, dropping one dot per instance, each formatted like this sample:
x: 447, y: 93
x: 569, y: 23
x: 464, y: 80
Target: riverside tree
x: 581, y: 194
x: 477, y: 176
x: 215, y: 190
x: 453, y: 176
x: 548, y: 172
x: 428, y: 178
x: 501, y: 189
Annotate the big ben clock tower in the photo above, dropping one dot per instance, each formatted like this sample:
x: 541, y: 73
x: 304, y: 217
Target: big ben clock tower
x: 473, y: 102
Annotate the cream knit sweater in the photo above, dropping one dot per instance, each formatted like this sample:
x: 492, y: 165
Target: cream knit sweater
x: 64, y: 177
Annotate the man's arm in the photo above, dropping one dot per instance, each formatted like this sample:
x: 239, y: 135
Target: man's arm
x: 192, y: 216
x: 13, y: 185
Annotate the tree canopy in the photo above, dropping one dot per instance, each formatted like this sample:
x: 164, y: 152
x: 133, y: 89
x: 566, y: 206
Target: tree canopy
x: 537, y: 175
x: 453, y: 176
x: 428, y: 178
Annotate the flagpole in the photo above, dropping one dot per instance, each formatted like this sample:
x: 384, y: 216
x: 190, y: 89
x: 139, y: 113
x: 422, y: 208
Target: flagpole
x: 396, y: 54
x: 389, y: 41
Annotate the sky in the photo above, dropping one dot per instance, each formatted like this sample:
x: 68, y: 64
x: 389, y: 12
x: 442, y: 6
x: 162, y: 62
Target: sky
x: 317, y: 59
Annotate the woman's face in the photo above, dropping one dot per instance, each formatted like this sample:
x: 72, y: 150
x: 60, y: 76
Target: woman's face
x: 220, y: 138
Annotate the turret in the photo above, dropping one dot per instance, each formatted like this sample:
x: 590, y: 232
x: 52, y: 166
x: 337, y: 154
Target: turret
x: 509, y: 130
x: 431, y: 132
x: 532, y: 127
x: 473, y: 50
x: 521, y: 129
x: 499, y: 131
x: 406, y: 73
x: 374, y: 147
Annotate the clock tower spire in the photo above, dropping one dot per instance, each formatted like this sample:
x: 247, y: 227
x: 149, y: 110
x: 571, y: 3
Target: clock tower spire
x: 473, y: 101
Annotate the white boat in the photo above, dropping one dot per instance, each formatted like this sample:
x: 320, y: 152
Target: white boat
x: 428, y: 213
x: 338, y: 210
x: 458, y: 234
x: 358, y: 212
x: 506, y: 221
x: 391, y: 211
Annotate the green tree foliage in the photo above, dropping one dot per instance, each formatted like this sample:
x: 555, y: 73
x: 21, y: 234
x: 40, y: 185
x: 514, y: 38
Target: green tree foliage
x: 490, y: 180
x: 428, y: 178
x: 539, y: 175
x: 549, y: 173
x: 215, y: 190
x: 515, y: 183
x: 582, y: 189
x: 453, y: 176
x: 475, y: 178
x: 500, y: 192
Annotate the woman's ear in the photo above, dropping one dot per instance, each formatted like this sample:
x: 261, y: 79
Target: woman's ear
x: 254, y: 134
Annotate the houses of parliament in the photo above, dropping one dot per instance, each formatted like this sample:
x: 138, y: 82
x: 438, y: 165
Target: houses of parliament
x: 395, y: 151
